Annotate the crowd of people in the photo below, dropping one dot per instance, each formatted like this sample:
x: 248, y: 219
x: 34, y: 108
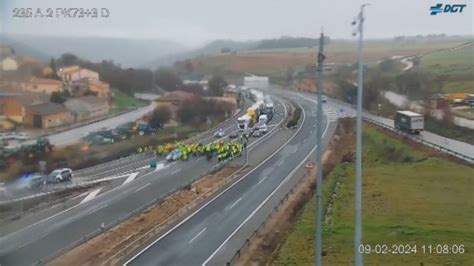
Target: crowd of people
x: 224, y: 150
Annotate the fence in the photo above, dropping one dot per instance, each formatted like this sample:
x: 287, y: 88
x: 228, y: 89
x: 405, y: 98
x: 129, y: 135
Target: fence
x: 261, y: 226
x: 422, y: 141
x: 156, y: 201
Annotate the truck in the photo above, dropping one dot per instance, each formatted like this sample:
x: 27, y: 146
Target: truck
x: 269, y: 109
x: 255, y: 82
x: 409, y: 121
x: 243, y: 122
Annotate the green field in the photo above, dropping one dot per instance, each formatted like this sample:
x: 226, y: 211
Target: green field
x: 453, y: 62
x: 123, y: 101
x: 409, y: 197
x: 459, y: 86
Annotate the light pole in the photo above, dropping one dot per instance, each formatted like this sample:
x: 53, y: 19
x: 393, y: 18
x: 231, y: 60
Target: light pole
x: 319, y: 147
x: 359, y: 260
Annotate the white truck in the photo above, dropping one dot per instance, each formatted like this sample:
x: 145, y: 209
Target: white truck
x: 243, y: 122
x: 409, y: 121
x: 256, y: 82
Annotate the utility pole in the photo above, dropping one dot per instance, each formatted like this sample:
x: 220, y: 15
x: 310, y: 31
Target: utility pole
x: 319, y: 148
x: 359, y: 260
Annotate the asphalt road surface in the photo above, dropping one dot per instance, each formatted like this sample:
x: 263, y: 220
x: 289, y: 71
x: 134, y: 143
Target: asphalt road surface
x: 212, y: 233
x: 74, y: 135
x: 50, y: 237
x: 451, y: 144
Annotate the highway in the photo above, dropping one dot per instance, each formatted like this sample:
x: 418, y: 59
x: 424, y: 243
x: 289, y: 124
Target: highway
x: 49, y: 236
x: 460, y: 147
x: 212, y: 233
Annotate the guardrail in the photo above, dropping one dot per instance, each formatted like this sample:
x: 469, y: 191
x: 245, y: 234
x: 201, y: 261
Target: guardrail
x: 261, y: 226
x: 422, y: 141
x: 135, y: 158
x: 85, y: 123
x: 158, y: 200
x: 136, y: 212
x: 440, y: 148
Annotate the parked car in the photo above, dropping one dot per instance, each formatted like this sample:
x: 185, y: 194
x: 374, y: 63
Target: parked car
x: 37, y: 180
x: 60, y: 175
x: 257, y: 133
x: 146, y: 129
x: 234, y: 135
x: 263, y: 128
x: 13, y: 135
x: 324, y: 98
x: 219, y: 133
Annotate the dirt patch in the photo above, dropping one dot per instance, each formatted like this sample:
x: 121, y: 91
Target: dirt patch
x: 263, y: 246
x: 113, y: 246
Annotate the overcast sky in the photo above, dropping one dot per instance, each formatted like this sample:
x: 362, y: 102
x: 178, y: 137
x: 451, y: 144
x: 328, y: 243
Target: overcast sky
x: 194, y: 22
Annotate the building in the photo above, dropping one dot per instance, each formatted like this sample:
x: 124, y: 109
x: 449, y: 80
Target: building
x: 8, y: 64
x: 47, y: 115
x: 74, y: 73
x: 43, y: 85
x: 176, y: 97
x: 87, y: 107
x: 14, y: 105
x: 102, y: 89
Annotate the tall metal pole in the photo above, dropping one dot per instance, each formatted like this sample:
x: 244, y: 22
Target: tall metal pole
x: 359, y: 261
x: 319, y: 148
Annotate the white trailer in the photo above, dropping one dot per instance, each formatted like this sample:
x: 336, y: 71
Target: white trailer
x: 409, y: 121
x: 255, y: 82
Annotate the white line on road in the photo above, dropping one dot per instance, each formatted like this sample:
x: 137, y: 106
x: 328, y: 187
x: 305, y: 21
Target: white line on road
x: 130, y: 178
x: 198, y: 234
x: 142, y: 187
x: 261, y: 180
x: 98, y: 208
x: 91, y: 195
x: 279, y: 163
x: 222, y: 192
x: 267, y: 198
x: 233, y: 204
x: 175, y: 171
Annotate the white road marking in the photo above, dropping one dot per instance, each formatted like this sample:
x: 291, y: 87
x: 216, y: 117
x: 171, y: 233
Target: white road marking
x: 175, y: 171
x: 233, y: 204
x: 279, y: 163
x: 159, y: 166
x: 261, y: 180
x: 142, y: 187
x: 266, y: 199
x: 130, y: 178
x: 198, y: 234
x: 98, y: 208
x: 222, y: 192
x: 91, y: 195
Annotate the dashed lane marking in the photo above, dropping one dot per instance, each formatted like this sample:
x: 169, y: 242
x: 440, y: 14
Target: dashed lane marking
x: 198, y: 234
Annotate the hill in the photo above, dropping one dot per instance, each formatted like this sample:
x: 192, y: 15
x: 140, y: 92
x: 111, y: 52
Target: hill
x: 130, y: 52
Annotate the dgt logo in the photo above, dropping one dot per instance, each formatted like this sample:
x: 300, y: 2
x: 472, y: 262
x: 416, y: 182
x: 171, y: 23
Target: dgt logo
x: 438, y: 8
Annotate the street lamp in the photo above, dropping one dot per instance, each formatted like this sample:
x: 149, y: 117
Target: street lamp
x: 359, y: 22
x: 319, y: 147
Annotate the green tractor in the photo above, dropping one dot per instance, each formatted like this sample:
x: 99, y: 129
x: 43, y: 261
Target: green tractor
x: 8, y: 156
x: 33, y: 151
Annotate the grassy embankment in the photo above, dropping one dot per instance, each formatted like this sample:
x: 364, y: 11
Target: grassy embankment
x: 409, y: 197
x: 123, y: 101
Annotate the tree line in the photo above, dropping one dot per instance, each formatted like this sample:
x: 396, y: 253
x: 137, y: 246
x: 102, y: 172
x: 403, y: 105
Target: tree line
x: 130, y: 80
